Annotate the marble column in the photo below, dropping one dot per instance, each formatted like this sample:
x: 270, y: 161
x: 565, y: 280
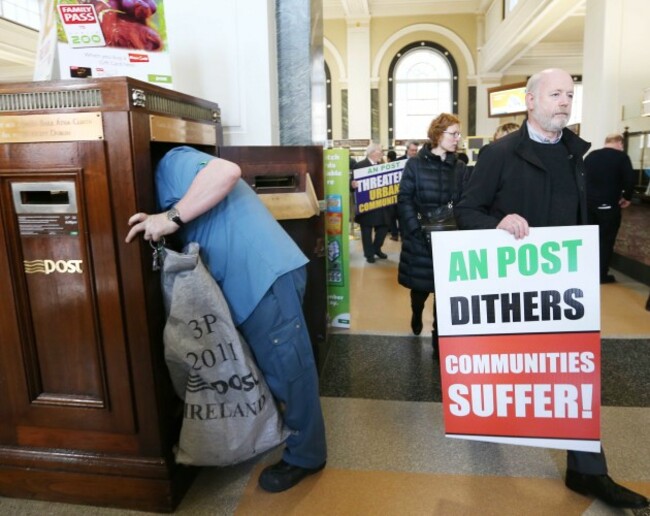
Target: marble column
x: 301, y: 72
x: 359, y: 96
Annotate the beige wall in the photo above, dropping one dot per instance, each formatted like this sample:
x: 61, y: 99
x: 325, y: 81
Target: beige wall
x: 517, y: 119
x: 381, y: 31
x: 334, y: 50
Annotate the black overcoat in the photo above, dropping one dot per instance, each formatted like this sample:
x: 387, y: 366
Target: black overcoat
x: 427, y: 182
x: 509, y: 177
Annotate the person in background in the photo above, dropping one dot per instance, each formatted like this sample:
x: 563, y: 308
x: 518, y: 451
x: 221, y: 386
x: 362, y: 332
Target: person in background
x: 375, y: 220
x: 500, y: 132
x: 610, y: 184
x: 352, y: 164
x: 431, y: 180
x: 393, y: 226
x: 535, y: 177
x: 262, y: 274
x: 411, y: 150
x: 503, y: 129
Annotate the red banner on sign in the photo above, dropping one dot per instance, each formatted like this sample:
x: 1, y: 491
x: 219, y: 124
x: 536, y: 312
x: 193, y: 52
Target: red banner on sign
x: 528, y: 386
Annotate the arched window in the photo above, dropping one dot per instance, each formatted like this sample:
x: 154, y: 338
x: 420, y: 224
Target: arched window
x: 423, y: 82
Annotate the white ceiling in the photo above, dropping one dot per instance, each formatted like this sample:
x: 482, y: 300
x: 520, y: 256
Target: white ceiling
x: 555, y: 36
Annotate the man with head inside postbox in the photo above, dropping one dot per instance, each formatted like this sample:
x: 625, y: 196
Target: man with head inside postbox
x: 261, y: 272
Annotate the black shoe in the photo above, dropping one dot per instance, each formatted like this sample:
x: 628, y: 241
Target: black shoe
x: 434, y: 345
x: 416, y: 323
x: 605, y: 489
x: 283, y: 476
x: 381, y: 255
x: 370, y: 259
x: 608, y: 278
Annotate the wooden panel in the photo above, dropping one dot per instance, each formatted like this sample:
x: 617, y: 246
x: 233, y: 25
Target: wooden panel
x: 58, y: 313
x: 11, y: 388
x: 154, y: 398
x: 128, y: 492
x: 71, y: 340
x: 35, y: 437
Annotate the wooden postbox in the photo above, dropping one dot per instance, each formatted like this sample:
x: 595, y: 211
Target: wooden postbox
x: 87, y: 412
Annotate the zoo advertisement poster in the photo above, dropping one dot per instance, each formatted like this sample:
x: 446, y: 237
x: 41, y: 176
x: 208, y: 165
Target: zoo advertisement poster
x: 337, y: 196
x: 519, y: 325
x: 377, y: 185
x: 105, y: 38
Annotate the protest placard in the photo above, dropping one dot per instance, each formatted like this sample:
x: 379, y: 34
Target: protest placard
x: 377, y: 185
x: 519, y: 326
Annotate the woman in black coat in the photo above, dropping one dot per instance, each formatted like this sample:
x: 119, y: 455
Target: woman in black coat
x: 431, y: 183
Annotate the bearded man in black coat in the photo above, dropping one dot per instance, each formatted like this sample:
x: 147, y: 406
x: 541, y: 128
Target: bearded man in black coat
x: 535, y: 177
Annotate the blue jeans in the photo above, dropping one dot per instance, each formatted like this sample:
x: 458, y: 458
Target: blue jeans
x: 277, y: 333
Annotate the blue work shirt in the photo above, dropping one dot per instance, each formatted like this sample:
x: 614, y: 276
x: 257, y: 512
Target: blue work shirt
x: 242, y: 244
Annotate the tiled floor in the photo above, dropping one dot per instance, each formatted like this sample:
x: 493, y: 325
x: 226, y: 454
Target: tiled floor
x: 387, y: 452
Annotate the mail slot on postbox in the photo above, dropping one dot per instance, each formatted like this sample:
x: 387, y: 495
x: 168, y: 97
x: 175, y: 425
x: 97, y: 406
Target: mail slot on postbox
x: 288, y: 180
x: 288, y: 194
x: 53, y: 248
x: 48, y: 226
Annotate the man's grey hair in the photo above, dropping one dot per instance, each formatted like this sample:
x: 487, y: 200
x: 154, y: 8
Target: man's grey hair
x: 372, y: 148
x: 533, y: 82
x: 412, y: 142
x: 614, y: 138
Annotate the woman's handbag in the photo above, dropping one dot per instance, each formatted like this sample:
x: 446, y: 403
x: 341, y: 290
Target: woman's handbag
x: 432, y: 217
x: 229, y: 413
x: 440, y: 218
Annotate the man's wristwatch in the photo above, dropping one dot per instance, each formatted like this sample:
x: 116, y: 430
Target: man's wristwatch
x: 174, y: 216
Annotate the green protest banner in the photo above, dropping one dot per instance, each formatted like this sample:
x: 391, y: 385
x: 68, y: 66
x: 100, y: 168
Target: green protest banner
x: 337, y: 196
